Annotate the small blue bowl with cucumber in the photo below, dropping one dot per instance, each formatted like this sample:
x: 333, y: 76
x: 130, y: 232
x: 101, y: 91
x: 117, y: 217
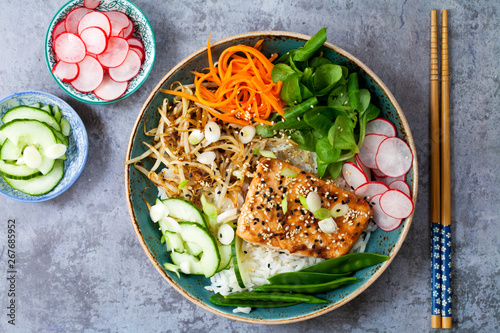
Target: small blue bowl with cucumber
x: 43, y: 146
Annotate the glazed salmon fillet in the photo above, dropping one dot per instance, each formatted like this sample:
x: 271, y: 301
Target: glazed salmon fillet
x: 296, y: 231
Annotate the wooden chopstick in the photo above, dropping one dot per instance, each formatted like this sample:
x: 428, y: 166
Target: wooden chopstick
x: 445, y: 179
x: 435, y: 180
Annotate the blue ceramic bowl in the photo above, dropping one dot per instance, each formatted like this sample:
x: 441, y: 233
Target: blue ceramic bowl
x: 76, y: 152
x: 192, y: 287
x: 142, y: 31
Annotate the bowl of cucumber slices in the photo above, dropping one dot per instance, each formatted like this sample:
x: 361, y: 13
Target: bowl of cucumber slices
x: 43, y: 146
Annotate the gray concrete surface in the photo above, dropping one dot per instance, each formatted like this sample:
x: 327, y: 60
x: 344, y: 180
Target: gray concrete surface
x: 80, y: 266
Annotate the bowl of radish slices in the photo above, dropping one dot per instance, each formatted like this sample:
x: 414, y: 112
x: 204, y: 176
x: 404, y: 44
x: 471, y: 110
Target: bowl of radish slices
x: 100, y: 51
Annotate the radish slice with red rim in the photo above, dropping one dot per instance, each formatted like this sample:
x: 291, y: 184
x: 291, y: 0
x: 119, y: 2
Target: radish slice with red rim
x: 369, y: 149
x: 115, y: 53
x: 73, y: 19
x: 381, y: 126
x: 393, y: 157
x: 139, y: 51
x: 119, y: 21
x: 91, y: 4
x: 95, y: 19
x: 127, y: 32
x: 128, y: 69
x: 371, y: 189
x: 69, y: 48
x: 383, y: 221
x: 65, y: 72
x: 90, y: 76
x: 378, y: 174
x: 95, y: 39
x: 363, y: 167
x: 58, y: 29
x: 110, y: 90
x: 396, y: 204
x: 353, y: 175
x: 402, y: 186
x: 135, y: 42
x: 389, y: 180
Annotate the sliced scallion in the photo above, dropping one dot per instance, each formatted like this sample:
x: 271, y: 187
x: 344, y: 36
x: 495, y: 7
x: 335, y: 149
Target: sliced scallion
x: 183, y: 184
x: 267, y: 153
x: 208, y: 208
x: 284, y: 204
x: 172, y: 268
x: 322, y: 213
x: 287, y: 172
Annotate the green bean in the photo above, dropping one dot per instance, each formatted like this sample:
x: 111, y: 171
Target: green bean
x: 345, y: 264
x: 303, y: 278
x: 309, y: 288
x: 218, y: 299
x: 311, y: 46
x: 299, y: 109
x: 274, y: 296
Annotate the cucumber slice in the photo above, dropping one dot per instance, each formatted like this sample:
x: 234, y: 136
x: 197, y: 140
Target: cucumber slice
x: 10, y: 151
x: 2, y: 138
x: 37, y: 105
x: 61, y: 138
x: 32, y: 132
x: 21, y: 171
x: 239, y: 267
x: 26, y: 112
x: 210, y: 258
x: 56, y: 112
x: 193, y: 248
x: 174, y: 241
x: 184, y: 210
x: 187, y: 263
x: 47, y: 109
x: 65, y: 126
x: 39, y: 185
x: 225, y: 256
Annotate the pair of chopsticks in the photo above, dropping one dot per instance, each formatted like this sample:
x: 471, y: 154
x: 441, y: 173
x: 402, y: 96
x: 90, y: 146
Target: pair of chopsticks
x: 440, y: 179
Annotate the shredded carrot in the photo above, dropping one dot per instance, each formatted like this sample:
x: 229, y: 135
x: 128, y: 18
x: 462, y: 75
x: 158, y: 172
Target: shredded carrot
x: 245, y: 93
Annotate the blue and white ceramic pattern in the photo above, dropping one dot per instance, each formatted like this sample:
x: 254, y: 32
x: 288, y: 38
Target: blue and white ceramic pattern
x: 139, y: 188
x: 76, y: 152
x: 142, y: 31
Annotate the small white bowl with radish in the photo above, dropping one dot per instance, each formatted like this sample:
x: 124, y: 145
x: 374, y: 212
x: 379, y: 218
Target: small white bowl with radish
x: 100, y: 51
x: 43, y: 146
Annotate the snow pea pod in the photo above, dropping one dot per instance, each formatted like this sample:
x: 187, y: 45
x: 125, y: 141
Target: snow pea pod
x: 309, y: 288
x: 345, y: 264
x: 218, y: 299
x: 303, y: 278
x: 273, y: 296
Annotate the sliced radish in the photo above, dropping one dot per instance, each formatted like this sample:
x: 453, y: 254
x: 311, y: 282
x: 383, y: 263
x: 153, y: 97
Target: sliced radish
x: 69, y: 48
x: 58, y: 29
x: 369, y: 149
x: 95, y: 39
x: 119, y: 21
x: 110, y: 90
x: 378, y: 174
x: 139, y: 51
x: 388, y: 180
x: 91, y: 75
x: 135, y: 42
x: 402, y: 186
x: 127, y: 32
x: 384, y: 221
x: 115, y: 53
x: 73, y: 19
x: 65, y: 72
x: 363, y: 167
x: 91, y: 4
x: 381, y: 126
x: 371, y: 189
x: 95, y: 19
x: 128, y: 69
x: 353, y: 175
x: 396, y: 204
x: 393, y: 157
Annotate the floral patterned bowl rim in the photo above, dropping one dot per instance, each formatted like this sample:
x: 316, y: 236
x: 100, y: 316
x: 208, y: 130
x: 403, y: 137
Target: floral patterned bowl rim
x: 138, y: 189
x: 76, y: 153
x: 142, y: 30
